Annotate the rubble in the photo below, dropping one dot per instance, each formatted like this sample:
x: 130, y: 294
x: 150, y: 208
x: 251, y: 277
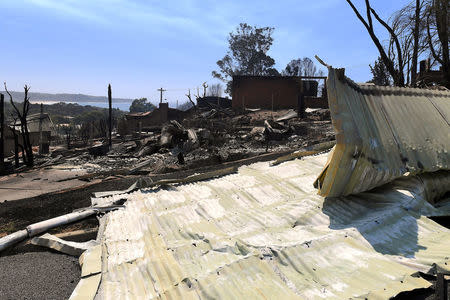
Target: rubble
x: 63, y: 246
x: 207, y: 137
x: 209, y: 144
x: 276, y: 131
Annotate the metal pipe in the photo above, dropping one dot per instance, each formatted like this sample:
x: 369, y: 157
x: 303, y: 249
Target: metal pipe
x: 36, y: 228
x: 12, y: 239
x: 43, y: 226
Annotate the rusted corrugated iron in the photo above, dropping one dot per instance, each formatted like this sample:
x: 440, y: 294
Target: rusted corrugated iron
x: 383, y: 133
x: 265, y: 233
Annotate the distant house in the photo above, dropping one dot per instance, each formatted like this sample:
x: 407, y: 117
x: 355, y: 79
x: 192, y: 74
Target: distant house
x: 48, y: 131
x: 144, y: 120
x: 277, y: 92
x: 429, y: 77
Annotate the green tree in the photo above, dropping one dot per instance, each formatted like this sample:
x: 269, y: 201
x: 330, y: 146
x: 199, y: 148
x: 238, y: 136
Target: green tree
x: 141, y: 105
x: 380, y: 73
x: 90, y: 116
x: 247, y: 54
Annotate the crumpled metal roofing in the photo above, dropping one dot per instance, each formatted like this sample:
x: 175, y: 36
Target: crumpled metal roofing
x: 383, y: 133
x: 265, y: 233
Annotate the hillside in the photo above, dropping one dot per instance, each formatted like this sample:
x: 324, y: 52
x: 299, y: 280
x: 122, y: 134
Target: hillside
x: 62, y: 113
x: 78, y: 98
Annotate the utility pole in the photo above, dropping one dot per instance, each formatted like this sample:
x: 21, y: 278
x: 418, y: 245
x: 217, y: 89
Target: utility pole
x: 110, y: 115
x: 2, y: 134
x: 161, y: 90
x: 41, y: 116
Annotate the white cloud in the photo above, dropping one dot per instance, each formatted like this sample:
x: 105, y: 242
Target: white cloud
x: 69, y: 7
x: 186, y: 17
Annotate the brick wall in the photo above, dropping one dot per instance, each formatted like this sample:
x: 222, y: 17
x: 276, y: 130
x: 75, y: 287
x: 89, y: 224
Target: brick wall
x: 258, y: 92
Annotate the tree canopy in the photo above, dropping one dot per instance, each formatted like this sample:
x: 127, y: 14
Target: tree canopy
x: 141, y: 105
x: 302, y: 67
x: 247, y: 54
x: 380, y: 73
x: 215, y: 90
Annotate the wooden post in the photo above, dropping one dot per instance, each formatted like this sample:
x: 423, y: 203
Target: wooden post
x: 2, y: 133
x: 140, y: 128
x: 301, y: 102
x: 41, y: 116
x: 110, y: 115
x: 272, y: 106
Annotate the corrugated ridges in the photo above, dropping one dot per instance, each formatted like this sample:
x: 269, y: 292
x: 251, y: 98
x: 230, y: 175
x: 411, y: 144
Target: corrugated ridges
x: 383, y: 133
x: 264, y: 233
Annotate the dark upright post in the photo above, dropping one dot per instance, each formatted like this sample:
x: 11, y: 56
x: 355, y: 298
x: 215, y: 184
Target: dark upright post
x: 41, y: 117
x: 301, y: 106
x: 110, y: 115
x: 301, y: 100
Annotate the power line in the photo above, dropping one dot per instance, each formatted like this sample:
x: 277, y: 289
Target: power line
x: 161, y: 90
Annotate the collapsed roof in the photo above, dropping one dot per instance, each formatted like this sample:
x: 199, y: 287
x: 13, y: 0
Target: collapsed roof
x: 383, y: 133
x: 264, y: 232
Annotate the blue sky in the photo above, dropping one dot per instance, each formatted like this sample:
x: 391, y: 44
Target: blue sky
x: 79, y: 46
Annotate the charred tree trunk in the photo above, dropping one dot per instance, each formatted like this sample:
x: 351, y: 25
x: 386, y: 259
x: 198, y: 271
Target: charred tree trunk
x: 16, y: 145
x: 441, y: 11
x: 22, y: 116
x: 24, y: 158
x: 27, y: 143
x: 397, y: 74
x: 188, y: 95
x: 416, y: 44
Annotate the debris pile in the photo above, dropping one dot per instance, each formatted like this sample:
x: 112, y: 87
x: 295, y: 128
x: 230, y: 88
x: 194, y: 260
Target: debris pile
x: 207, y: 137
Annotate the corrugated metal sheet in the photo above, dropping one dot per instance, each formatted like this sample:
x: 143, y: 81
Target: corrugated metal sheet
x: 265, y: 233
x: 383, y: 133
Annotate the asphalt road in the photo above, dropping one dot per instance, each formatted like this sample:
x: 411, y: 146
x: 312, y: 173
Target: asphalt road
x: 38, y: 275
